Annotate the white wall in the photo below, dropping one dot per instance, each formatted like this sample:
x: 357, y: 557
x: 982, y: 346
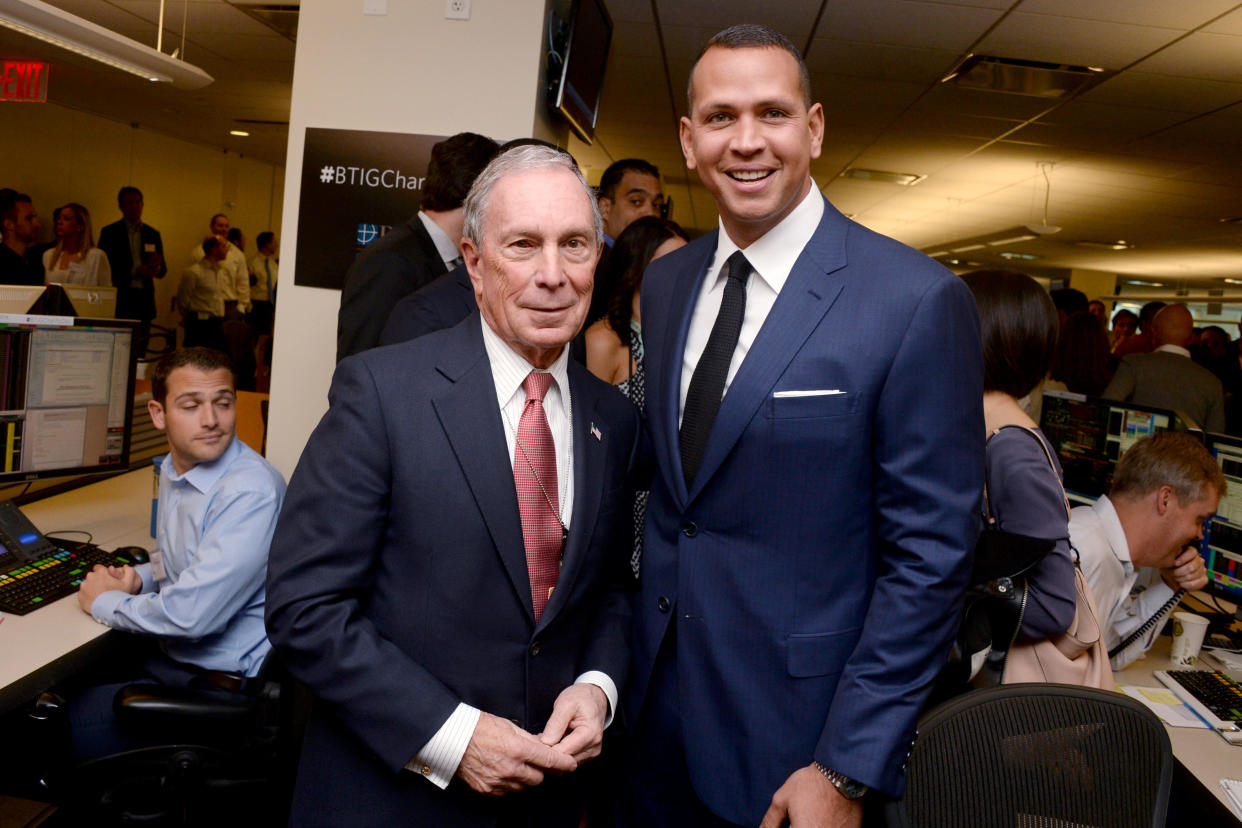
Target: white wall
x: 408, y: 71
x: 59, y: 155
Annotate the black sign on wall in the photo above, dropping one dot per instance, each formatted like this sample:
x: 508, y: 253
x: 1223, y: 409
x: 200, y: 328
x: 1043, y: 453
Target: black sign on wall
x: 356, y: 185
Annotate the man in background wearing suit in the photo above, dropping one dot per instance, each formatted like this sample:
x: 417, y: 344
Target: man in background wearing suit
x: 1167, y: 377
x: 449, y: 575
x: 135, y: 253
x: 816, y: 499
x: 412, y: 255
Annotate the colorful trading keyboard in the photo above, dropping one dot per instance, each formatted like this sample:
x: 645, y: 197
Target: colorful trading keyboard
x: 37, y: 584
x: 1214, y: 696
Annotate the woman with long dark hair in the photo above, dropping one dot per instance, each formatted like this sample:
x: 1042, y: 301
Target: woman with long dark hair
x: 614, y: 343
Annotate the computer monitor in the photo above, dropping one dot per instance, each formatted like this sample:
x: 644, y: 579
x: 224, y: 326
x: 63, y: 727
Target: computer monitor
x: 1091, y: 434
x: 66, y: 399
x: 1222, y: 543
x: 91, y: 301
x: 19, y: 298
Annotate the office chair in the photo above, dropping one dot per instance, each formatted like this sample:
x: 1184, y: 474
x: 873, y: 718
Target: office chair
x: 1037, y: 756
x: 222, y: 760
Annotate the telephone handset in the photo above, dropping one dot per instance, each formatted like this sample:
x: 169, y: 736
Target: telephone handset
x: 19, y: 537
x: 1156, y: 618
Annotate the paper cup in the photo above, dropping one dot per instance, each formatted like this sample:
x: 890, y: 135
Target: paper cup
x: 1188, y: 632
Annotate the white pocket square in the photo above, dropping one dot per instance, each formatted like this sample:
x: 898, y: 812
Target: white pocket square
x: 821, y: 392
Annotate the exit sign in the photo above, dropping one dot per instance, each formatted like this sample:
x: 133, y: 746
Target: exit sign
x: 23, y: 80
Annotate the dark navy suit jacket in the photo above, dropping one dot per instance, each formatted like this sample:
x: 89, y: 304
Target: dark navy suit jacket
x: 398, y: 583
x: 131, y: 302
x: 434, y: 307
x: 816, y: 566
x: 398, y: 264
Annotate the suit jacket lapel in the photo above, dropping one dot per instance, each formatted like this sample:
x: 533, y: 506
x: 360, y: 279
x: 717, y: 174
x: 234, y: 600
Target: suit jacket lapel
x: 685, y: 291
x: 588, y: 486
x: 801, y: 304
x: 470, y: 417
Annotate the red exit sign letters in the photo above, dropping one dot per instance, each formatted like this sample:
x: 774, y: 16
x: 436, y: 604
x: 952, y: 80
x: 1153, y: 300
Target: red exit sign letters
x: 23, y: 80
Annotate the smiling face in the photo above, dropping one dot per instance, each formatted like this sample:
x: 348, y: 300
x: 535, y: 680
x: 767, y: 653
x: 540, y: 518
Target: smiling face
x: 535, y: 266
x: 751, y: 136
x: 1183, y: 525
x: 197, y: 414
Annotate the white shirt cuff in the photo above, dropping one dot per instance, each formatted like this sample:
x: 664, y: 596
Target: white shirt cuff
x: 438, y: 760
x: 603, y: 682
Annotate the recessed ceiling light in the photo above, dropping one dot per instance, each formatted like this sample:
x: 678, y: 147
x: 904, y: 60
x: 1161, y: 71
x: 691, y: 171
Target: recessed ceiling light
x: 1117, y: 245
x: 241, y: 133
x: 1009, y: 254
x: 1012, y: 240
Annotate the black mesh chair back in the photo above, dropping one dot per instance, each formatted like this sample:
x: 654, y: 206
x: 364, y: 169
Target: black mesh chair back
x: 1037, y: 756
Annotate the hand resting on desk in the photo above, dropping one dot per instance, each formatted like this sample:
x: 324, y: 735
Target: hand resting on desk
x: 105, y: 578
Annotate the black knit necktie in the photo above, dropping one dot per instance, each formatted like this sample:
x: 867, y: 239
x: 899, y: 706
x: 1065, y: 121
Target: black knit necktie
x: 707, y: 384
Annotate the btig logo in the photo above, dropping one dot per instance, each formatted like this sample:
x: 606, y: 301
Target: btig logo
x: 369, y: 177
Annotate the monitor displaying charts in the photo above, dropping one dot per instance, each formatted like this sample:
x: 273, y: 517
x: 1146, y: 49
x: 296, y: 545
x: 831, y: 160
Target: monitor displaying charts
x: 66, y: 396
x: 1222, y: 545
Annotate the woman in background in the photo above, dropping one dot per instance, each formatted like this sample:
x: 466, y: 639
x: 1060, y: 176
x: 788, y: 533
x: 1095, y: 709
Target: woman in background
x: 75, y: 260
x: 1018, y: 327
x: 614, y: 344
x: 1083, y: 358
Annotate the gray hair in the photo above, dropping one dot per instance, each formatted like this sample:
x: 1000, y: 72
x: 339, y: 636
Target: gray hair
x: 1168, y: 458
x: 753, y: 36
x: 516, y: 160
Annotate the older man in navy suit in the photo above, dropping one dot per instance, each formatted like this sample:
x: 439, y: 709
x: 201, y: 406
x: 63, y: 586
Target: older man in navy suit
x: 814, y: 399
x: 449, y: 574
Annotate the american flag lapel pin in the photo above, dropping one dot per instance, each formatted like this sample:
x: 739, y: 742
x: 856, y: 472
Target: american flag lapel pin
x: 595, y: 432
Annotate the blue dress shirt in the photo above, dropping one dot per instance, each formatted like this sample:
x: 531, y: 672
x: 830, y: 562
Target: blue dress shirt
x: 203, y: 591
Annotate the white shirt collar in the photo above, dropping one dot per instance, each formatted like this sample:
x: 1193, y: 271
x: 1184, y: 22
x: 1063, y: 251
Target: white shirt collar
x: 509, y: 369
x: 1174, y: 349
x: 446, y: 247
x: 773, y: 255
x: 1114, y: 532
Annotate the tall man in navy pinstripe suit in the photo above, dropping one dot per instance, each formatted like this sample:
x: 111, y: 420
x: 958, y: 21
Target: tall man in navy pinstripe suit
x: 811, y: 520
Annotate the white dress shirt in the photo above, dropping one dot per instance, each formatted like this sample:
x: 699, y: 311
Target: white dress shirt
x: 446, y: 247
x: 772, y: 257
x: 437, y: 761
x: 1126, y: 597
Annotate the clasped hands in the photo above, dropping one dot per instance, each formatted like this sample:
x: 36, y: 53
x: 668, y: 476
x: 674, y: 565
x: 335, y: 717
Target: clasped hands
x: 104, y: 578
x: 502, y: 757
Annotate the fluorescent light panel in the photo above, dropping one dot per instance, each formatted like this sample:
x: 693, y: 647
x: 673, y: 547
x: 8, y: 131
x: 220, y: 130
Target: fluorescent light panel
x: 66, y: 31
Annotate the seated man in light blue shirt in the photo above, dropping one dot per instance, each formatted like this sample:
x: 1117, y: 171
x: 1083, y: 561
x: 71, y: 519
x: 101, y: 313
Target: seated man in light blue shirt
x: 201, y: 595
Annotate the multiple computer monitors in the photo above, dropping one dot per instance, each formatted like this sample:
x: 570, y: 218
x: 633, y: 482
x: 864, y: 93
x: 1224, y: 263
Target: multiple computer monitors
x: 66, y: 395
x: 1222, y: 542
x: 1090, y: 435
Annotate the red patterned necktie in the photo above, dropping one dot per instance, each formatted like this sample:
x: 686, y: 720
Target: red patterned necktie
x: 534, y: 474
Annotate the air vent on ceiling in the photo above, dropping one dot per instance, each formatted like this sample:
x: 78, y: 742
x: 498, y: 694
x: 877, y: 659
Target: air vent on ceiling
x: 1023, y: 77
x: 904, y: 179
x: 280, y: 17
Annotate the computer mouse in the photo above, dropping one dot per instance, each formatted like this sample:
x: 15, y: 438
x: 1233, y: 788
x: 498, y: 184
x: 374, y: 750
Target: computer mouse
x: 135, y: 553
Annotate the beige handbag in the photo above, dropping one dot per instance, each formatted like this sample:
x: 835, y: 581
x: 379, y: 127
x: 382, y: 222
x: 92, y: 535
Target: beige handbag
x: 1077, y: 656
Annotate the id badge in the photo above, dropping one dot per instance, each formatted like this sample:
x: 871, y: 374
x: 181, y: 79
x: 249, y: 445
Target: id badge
x: 156, y: 558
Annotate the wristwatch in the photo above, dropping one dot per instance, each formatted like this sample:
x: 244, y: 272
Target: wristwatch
x: 849, y: 788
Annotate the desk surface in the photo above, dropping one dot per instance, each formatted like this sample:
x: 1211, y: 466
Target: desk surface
x: 1204, y: 754
x: 50, y: 644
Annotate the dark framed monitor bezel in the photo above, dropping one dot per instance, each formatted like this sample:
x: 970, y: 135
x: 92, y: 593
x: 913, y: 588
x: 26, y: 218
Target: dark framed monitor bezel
x: 35, y: 321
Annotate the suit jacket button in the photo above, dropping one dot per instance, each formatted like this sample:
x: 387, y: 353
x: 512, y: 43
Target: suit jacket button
x: 662, y: 604
x: 690, y: 530
x: 534, y: 649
